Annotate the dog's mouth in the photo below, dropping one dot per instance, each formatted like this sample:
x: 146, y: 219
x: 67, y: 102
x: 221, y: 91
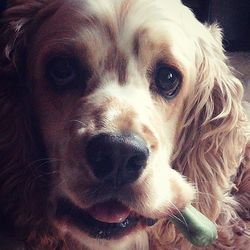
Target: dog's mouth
x: 107, y: 220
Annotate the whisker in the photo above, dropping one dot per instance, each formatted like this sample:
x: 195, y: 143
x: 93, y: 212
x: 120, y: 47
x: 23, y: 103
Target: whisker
x: 180, y: 213
x: 44, y: 160
x: 39, y: 175
x: 78, y: 121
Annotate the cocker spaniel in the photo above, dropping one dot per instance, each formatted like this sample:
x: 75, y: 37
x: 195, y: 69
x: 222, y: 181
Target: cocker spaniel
x: 115, y: 115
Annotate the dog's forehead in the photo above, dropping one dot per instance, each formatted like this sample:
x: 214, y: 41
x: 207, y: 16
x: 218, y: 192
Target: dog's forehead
x: 112, y: 26
x: 123, y: 18
x: 100, y: 7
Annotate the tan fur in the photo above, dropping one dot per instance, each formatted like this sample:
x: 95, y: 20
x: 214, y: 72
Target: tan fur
x: 198, y: 141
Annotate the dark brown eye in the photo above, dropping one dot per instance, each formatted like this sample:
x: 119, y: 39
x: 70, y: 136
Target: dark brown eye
x: 62, y: 71
x: 167, y: 80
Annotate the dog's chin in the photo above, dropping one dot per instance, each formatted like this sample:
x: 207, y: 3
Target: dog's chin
x: 109, y: 220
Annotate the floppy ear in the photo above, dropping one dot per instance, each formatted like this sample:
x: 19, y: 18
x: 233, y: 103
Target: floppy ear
x: 213, y: 130
x: 15, y: 27
x: 14, y: 106
x: 22, y: 188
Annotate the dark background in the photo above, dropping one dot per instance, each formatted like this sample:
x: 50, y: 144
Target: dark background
x: 2, y: 5
x: 232, y: 15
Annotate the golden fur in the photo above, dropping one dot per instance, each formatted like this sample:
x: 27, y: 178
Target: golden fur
x: 202, y: 134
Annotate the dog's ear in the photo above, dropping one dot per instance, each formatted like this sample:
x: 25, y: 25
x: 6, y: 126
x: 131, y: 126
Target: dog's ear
x: 212, y: 133
x: 14, y: 122
x: 15, y: 29
x: 19, y: 138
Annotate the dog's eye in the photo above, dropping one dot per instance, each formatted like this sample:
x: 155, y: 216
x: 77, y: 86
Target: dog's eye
x: 62, y: 71
x: 168, y: 81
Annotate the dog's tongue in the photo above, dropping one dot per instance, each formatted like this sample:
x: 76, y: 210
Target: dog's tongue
x: 109, y: 212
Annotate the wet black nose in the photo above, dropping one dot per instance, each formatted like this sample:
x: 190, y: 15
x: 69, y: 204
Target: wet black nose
x: 119, y: 158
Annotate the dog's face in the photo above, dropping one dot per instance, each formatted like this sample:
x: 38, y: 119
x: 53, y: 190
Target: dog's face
x: 109, y: 80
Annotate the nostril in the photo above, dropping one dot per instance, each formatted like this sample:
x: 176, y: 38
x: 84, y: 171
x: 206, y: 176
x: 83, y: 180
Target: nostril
x: 99, y: 155
x: 101, y: 163
x: 137, y: 162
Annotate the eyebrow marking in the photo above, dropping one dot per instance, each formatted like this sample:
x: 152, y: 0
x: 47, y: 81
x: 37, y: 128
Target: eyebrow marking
x: 139, y: 34
x: 116, y: 61
x: 136, y: 45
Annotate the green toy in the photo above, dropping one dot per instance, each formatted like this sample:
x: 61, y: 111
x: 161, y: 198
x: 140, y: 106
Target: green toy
x: 196, y: 227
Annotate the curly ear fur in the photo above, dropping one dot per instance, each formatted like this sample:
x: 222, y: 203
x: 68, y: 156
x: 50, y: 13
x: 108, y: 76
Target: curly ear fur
x: 22, y: 182
x: 213, y: 137
x: 211, y: 140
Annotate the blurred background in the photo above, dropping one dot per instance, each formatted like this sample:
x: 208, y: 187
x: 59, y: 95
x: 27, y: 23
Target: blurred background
x: 232, y: 15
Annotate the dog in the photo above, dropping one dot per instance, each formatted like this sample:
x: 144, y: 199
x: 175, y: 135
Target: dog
x: 114, y: 116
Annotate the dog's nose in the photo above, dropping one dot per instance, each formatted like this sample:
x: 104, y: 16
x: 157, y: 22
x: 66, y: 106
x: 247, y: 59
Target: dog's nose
x: 119, y: 158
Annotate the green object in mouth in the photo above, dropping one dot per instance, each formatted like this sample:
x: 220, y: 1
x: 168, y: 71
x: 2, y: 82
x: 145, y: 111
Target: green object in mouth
x: 195, y: 226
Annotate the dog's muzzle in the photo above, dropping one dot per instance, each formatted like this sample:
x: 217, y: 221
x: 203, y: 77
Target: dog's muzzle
x: 116, y: 159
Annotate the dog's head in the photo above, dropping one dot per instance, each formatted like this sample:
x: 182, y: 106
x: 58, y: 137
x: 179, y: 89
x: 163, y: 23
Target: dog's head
x: 109, y: 87
x: 122, y: 91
